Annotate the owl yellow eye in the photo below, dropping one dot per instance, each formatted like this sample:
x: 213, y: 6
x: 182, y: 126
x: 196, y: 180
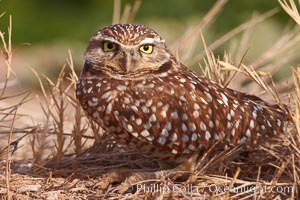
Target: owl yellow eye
x: 109, y: 46
x: 146, y: 48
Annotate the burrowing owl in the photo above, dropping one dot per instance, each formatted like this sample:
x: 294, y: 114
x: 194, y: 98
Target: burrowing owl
x: 136, y: 90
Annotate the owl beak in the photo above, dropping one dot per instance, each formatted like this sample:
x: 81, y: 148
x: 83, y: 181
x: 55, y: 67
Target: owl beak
x: 87, y: 66
x: 126, y: 61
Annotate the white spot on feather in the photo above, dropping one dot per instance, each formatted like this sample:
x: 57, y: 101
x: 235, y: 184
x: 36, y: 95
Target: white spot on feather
x: 278, y: 122
x: 169, y: 126
x: 254, y: 114
x: 152, y: 118
x: 211, y: 124
x: 173, y: 137
x: 161, y: 140
x: 108, y: 108
x: 182, y: 80
x: 209, y: 97
x: 164, y: 133
x: 121, y: 87
x: 89, y: 90
x: 251, y: 124
x: 145, y: 133
x: 225, y: 99
x: 184, y: 128
x: 194, y: 137
x: 106, y: 95
x: 203, y: 100
x: 184, y: 117
x: 185, y: 138
x: 135, y: 134
x: 196, y: 106
x: 192, y: 127
x: 174, y: 114
x: 129, y: 128
x: 174, y: 151
x: 196, y: 114
x: 248, y: 133
x: 207, y: 135
x: 202, y: 126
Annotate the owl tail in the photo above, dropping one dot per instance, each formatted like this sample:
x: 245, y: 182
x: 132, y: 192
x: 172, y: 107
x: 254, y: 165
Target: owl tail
x: 280, y: 110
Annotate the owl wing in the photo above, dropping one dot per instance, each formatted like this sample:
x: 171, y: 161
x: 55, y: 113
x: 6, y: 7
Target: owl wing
x: 187, y: 112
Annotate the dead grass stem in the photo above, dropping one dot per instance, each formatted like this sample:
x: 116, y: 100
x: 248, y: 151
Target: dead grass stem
x: 291, y: 9
x: 69, y: 146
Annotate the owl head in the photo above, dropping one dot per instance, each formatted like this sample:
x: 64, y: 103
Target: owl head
x: 127, y: 50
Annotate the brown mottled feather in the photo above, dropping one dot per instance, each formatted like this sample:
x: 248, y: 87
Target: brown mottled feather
x: 162, y: 108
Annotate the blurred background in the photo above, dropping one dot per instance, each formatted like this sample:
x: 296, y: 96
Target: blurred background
x: 257, y: 33
x: 44, y: 31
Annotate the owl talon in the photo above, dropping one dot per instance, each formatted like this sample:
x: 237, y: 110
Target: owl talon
x: 133, y: 182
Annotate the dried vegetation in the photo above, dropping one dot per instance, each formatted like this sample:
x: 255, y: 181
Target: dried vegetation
x: 69, y: 157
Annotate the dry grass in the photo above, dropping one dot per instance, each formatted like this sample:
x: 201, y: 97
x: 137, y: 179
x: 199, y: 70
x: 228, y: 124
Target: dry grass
x: 73, y: 158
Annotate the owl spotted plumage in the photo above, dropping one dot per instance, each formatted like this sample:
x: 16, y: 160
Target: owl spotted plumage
x: 136, y: 90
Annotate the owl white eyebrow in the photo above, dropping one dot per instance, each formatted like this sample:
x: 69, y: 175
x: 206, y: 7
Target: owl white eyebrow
x: 148, y: 41
x: 117, y: 42
x: 145, y: 41
x: 110, y: 39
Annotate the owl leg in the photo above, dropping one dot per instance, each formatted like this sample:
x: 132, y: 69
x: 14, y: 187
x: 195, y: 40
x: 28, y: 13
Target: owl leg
x: 201, y: 161
x: 132, y: 182
x: 181, y: 172
x: 190, y: 164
